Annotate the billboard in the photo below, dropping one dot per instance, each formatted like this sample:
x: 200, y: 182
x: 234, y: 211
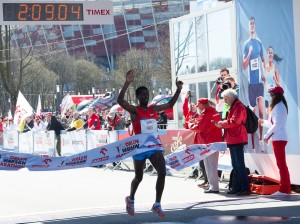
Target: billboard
x: 267, y: 56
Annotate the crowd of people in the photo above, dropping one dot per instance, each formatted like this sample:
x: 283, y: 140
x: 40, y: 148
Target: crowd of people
x: 225, y: 121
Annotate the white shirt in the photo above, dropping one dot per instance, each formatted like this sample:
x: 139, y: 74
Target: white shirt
x: 276, y: 123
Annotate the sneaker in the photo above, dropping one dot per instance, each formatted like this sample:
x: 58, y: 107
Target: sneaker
x: 158, y: 211
x: 129, y: 206
x: 278, y: 193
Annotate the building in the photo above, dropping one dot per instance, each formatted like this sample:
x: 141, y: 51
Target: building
x: 138, y: 24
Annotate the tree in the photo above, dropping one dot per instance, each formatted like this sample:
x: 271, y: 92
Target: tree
x: 87, y: 76
x: 14, y: 60
x: 63, y: 66
x: 142, y: 62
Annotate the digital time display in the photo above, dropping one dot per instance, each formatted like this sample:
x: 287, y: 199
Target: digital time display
x: 42, y: 12
x: 49, y: 12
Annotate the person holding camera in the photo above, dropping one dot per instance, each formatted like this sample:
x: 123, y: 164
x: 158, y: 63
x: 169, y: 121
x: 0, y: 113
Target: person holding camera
x: 229, y: 83
x: 224, y: 73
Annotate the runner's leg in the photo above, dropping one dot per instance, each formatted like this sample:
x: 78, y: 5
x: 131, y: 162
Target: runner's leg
x: 138, y: 170
x: 159, y: 163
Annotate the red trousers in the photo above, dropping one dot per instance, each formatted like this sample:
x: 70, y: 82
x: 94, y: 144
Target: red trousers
x: 279, y: 152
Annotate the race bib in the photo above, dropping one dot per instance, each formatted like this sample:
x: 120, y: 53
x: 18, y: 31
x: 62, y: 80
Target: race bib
x: 148, y: 126
x: 254, y: 64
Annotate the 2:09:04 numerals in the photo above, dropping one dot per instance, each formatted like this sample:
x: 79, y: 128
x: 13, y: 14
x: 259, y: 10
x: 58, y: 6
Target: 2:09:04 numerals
x: 42, y: 12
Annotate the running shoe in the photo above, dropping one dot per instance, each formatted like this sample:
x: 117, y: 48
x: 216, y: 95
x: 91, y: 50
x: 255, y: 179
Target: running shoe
x: 129, y: 206
x: 157, y: 209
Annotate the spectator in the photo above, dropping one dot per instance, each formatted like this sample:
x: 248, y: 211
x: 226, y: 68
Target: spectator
x: 224, y: 73
x: 189, y: 109
x: 2, y: 127
x: 277, y: 133
x: 76, y: 123
x: 207, y: 132
x: 29, y: 124
x: 229, y: 83
x: 236, y: 137
x: 162, y: 120
x: 114, y: 122
x: 39, y: 125
x: 93, y: 121
x: 56, y: 126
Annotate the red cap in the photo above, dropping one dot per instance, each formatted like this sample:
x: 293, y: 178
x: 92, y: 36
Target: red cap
x: 275, y: 90
x: 48, y: 114
x: 38, y: 117
x: 202, y: 101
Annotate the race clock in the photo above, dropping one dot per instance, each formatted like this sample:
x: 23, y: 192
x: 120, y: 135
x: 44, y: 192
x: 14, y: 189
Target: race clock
x: 55, y: 12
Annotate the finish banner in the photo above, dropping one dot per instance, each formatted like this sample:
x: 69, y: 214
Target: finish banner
x: 102, y: 155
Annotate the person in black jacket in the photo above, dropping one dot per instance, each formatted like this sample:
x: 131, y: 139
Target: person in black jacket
x: 56, y: 126
x: 162, y: 120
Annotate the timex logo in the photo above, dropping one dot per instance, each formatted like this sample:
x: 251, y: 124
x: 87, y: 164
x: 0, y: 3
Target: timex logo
x: 94, y: 12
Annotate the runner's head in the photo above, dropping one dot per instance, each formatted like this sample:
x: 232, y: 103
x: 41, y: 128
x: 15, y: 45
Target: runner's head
x: 142, y: 94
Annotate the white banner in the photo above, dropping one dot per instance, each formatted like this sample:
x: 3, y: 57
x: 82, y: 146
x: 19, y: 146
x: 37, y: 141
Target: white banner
x: 192, y: 154
x: 73, y: 142
x: 10, y: 140
x: 43, y: 143
x: 96, y: 138
x: 26, y: 142
x: 113, y: 152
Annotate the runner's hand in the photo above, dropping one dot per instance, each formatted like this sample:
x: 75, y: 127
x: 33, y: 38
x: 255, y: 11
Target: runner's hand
x: 130, y: 76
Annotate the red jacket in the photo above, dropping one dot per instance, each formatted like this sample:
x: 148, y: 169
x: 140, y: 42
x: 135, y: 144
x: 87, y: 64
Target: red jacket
x: 187, y: 113
x: 206, y: 131
x: 235, y: 131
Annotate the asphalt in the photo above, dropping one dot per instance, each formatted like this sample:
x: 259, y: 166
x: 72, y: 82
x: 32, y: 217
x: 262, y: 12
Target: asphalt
x: 96, y: 195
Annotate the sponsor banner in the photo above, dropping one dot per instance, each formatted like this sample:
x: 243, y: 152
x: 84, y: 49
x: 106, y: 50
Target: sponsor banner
x: 26, y: 142
x: 10, y: 141
x: 96, y: 138
x: 98, y: 156
x: 113, y: 152
x: 192, y: 154
x: 73, y: 142
x: 43, y: 143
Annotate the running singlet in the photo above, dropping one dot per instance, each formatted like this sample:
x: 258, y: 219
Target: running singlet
x: 254, y: 73
x: 146, y: 119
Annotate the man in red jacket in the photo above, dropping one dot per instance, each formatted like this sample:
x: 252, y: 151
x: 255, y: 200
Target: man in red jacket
x: 207, y: 132
x: 236, y: 137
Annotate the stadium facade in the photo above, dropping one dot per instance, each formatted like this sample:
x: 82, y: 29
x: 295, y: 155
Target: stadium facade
x: 139, y: 24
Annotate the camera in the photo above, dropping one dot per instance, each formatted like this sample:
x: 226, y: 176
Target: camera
x: 226, y: 85
x: 220, y: 80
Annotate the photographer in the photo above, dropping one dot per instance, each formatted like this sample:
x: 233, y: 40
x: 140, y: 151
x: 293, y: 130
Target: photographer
x: 224, y: 73
x: 229, y: 83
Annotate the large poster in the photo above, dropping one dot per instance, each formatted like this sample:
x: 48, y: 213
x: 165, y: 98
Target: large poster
x: 266, y: 58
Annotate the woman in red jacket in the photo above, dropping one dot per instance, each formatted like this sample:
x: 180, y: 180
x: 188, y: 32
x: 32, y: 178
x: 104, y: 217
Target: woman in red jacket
x: 236, y: 137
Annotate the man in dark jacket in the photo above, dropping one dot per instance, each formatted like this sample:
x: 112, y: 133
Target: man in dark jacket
x: 56, y: 126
